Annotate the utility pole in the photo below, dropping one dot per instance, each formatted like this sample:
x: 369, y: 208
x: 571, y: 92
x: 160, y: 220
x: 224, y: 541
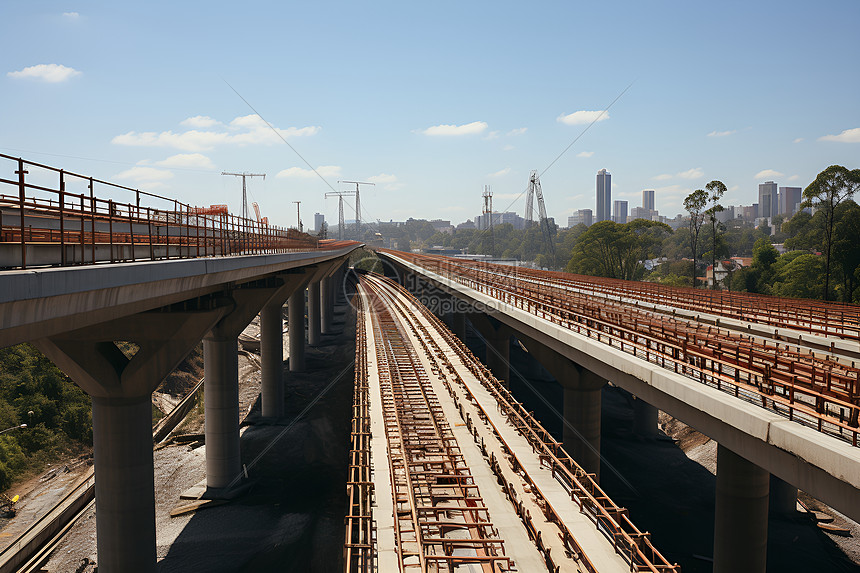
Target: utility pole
x: 298, y: 215
x: 357, y: 206
x: 244, y: 189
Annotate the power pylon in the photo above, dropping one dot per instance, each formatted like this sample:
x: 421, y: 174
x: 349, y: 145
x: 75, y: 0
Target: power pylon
x: 244, y: 190
x: 488, y: 217
x: 357, y: 206
x: 340, y: 224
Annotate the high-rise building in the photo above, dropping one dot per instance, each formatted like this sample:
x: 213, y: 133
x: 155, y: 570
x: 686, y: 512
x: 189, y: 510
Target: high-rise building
x: 583, y: 216
x: 319, y: 221
x: 604, y: 196
x: 619, y: 212
x: 648, y: 199
x: 789, y: 200
x: 768, y: 200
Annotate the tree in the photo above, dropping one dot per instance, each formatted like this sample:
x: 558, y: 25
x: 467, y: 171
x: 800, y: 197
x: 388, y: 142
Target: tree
x: 608, y: 249
x: 716, y: 189
x: 830, y: 188
x: 694, y: 203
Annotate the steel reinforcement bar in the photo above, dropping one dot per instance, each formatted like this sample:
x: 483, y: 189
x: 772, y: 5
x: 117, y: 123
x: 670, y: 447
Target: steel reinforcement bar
x: 612, y: 520
x: 441, y: 521
x: 53, y: 217
x: 808, y: 387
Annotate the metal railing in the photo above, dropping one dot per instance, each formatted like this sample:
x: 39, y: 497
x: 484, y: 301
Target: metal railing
x: 53, y: 217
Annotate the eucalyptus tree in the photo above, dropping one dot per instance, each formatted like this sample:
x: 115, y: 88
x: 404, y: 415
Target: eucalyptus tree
x: 716, y: 189
x: 695, y: 203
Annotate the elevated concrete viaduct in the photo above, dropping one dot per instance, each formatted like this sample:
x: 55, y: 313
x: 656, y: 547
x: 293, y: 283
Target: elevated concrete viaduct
x: 753, y: 442
x: 75, y: 315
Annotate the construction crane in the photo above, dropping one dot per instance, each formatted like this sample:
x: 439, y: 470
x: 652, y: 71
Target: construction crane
x: 261, y: 220
x: 298, y: 215
x: 357, y: 206
x: 340, y: 195
x: 488, y: 218
x: 534, y: 189
x: 244, y: 188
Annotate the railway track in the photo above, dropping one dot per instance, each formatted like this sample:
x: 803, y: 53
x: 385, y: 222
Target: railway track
x: 529, y: 465
x: 812, y: 388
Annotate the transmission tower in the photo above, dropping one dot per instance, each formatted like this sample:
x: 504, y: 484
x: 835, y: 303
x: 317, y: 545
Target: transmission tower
x: 357, y: 206
x: 488, y: 218
x: 340, y: 224
x: 534, y: 189
x: 244, y: 189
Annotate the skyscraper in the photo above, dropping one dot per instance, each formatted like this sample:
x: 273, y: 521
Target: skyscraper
x: 604, y: 196
x: 648, y: 199
x: 768, y: 204
x: 319, y: 221
x: 789, y: 197
x: 619, y: 209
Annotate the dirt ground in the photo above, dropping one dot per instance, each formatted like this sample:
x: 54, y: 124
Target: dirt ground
x: 292, y: 517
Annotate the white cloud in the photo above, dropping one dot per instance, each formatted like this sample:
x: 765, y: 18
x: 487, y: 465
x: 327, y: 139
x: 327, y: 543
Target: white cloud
x: 387, y: 181
x: 847, y: 136
x: 243, y: 130
x: 734, y: 188
x: 694, y: 173
x: 500, y: 172
x: 299, y: 173
x: 794, y: 178
x: 767, y: 174
x: 187, y: 161
x: 71, y: 15
x: 585, y: 154
x: 518, y: 131
x: 798, y: 140
x: 449, y: 129
x: 582, y: 117
x: 144, y: 174
x: 51, y: 73
x: 722, y: 133
x: 200, y: 121
x: 492, y: 135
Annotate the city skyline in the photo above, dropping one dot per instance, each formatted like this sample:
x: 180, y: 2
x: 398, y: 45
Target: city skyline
x: 416, y: 102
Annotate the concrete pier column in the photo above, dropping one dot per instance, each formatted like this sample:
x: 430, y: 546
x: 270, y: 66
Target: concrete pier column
x: 740, y: 520
x: 326, y: 308
x: 272, y: 359
x: 314, y: 318
x: 458, y: 325
x: 125, y: 490
x: 499, y: 356
x: 296, y: 319
x: 581, y: 434
x: 644, y: 419
x: 221, y: 364
x: 783, y: 498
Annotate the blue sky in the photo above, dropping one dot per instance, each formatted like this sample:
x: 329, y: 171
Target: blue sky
x: 432, y: 101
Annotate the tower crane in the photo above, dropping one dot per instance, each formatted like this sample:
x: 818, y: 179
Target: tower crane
x: 340, y: 195
x: 244, y: 189
x: 357, y: 206
x: 535, y: 190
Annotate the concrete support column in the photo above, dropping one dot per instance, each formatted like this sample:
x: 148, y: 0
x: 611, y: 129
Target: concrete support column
x: 458, y: 325
x: 272, y: 359
x: 499, y: 356
x: 314, y: 313
x: 783, y: 497
x: 644, y: 419
x: 221, y: 363
x: 581, y: 435
x: 296, y: 319
x: 125, y: 524
x: 326, y: 308
x: 740, y: 521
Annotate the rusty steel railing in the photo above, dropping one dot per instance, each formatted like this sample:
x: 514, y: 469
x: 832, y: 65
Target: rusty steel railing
x: 808, y: 387
x: 53, y: 217
x: 612, y: 520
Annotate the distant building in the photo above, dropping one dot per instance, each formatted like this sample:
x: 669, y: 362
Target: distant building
x: 604, y: 196
x: 583, y: 216
x: 319, y: 221
x: 747, y: 212
x: 727, y: 214
x: 467, y: 224
x: 619, y: 211
x: 482, y: 221
x: 789, y: 201
x: 768, y: 200
x: 648, y: 199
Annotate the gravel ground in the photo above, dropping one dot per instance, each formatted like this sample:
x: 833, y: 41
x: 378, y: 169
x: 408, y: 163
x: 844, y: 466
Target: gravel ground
x: 292, y: 519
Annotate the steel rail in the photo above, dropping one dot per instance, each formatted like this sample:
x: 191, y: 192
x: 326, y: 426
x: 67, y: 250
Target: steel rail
x: 614, y: 521
x: 808, y: 387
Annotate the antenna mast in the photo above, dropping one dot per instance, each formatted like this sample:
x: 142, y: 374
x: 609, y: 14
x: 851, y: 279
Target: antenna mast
x: 488, y: 217
x: 244, y: 189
